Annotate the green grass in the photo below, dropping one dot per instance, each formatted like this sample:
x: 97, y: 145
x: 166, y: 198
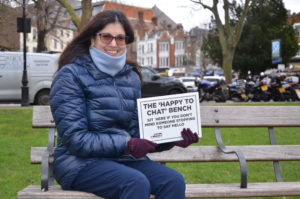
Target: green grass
x: 17, y: 136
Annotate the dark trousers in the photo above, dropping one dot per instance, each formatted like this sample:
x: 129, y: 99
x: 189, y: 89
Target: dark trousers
x: 130, y: 180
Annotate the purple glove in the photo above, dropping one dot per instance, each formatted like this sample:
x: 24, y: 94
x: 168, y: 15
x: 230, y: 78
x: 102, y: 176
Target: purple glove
x: 188, y: 138
x: 138, y: 148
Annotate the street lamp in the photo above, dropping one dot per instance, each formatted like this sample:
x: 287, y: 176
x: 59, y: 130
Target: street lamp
x: 23, y: 25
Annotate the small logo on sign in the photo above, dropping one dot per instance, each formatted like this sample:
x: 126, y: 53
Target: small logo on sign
x: 156, y: 135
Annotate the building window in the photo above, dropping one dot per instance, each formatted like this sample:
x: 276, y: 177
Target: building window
x: 143, y: 50
x: 150, y: 61
x: 163, y: 46
x: 54, y: 43
x: 150, y: 47
x: 179, y: 45
x: 143, y: 61
x: 297, y: 31
x: 179, y: 60
x: 34, y: 34
x: 164, y: 61
x: 61, y: 45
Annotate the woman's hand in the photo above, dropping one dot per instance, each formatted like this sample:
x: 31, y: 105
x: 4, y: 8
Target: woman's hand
x: 188, y: 138
x: 138, y: 148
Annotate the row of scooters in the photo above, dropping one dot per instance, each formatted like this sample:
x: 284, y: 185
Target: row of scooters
x: 261, y: 88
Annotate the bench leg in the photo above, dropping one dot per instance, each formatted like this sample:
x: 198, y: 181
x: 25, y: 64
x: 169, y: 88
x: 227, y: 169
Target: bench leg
x: 240, y: 155
x: 47, y: 178
x: 276, y: 165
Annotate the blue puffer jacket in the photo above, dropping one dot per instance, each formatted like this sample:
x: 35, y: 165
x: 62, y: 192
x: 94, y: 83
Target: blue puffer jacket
x: 95, y: 115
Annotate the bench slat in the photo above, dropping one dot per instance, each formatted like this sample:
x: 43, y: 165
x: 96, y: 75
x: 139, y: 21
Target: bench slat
x: 192, y: 191
x: 210, y: 154
x: 251, y: 116
x: 215, y: 116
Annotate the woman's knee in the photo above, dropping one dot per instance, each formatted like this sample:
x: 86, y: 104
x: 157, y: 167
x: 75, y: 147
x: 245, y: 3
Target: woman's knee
x: 172, y: 186
x: 135, y: 187
x: 177, y: 181
x: 138, y: 181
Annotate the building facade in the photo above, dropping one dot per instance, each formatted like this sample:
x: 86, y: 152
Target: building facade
x: 159, y: 43
x: 55, y: 41
x: 162, y: 48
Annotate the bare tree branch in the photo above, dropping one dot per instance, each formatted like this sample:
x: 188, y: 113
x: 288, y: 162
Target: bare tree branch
x: 71, y: 11
x: 240, y: 25
x: 202, y: 4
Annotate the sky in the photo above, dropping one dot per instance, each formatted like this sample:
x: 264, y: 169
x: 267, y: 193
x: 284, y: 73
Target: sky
x: 190, y: 14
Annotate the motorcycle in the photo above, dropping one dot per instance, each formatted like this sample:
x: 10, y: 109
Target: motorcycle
x: 294, y: 87
x: 237, y: 91
x: 277, y: 90
x: 212, y: 90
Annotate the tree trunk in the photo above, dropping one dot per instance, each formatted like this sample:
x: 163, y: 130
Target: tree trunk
x: 86, y: 6
x: 227, y: 65
x: 41, y: 46
x: 41, y: 25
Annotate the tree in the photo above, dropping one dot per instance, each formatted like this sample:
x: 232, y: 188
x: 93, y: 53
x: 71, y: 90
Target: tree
x: 86, y: 6
x: 47, y: 13
x: 229, y: 31
x: 266, y: 21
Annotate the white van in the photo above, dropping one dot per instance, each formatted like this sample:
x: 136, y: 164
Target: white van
x: 41, y: 68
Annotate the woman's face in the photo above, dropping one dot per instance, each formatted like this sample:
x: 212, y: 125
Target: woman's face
x: 111, y: 39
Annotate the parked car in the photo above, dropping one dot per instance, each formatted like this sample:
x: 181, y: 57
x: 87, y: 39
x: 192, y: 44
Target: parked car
x: 214, y: 78
x: 189, y: 83
x: 157, y: 85
x: 40, y: 70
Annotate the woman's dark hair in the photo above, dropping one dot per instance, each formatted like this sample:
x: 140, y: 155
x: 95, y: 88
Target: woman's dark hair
x: 81, y: 43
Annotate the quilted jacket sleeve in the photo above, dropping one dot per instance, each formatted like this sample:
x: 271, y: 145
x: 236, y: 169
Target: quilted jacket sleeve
x: 134, y: 124
x: 68, y: 107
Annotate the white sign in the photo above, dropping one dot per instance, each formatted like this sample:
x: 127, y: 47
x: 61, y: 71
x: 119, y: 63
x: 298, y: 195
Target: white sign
x: 281, y: 67
x: 162, y: 118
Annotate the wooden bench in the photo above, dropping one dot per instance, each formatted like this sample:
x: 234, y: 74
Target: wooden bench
x: 215, y: 117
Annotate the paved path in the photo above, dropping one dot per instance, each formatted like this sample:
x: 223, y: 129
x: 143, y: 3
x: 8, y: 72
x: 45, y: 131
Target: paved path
x: 13, y: 106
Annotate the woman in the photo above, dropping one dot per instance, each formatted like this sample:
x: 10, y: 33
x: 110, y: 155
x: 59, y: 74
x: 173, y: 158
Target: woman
x: 93, y: 102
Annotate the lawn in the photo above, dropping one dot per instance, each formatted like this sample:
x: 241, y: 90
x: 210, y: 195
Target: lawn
x: 17, y: 136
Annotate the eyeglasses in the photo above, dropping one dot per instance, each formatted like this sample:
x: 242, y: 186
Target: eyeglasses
x: 107, y: 38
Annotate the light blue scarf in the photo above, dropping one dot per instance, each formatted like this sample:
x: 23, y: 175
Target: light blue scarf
x: 106, y: 63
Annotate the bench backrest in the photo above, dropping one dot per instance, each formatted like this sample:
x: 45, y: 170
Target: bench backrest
x: 214, y: 116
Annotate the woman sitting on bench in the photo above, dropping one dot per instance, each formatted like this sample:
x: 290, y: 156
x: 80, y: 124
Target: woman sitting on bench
x: 93, y: 102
